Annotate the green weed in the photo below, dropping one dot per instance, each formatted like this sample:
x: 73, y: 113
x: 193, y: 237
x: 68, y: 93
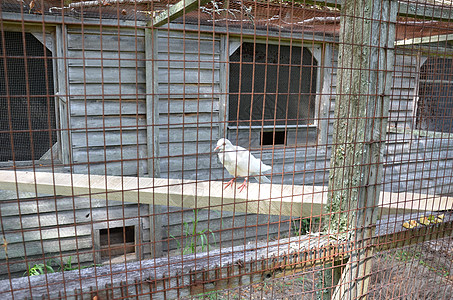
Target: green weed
x: 213, y: 295
x: 40, y: 269
x: 303, y: 226
x: 192, y: 236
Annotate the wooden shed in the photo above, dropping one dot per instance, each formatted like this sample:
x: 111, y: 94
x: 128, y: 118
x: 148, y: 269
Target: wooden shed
x: 121, y: 96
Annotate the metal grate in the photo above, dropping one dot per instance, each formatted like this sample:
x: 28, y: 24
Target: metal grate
x: 226, y: 149
x: 27, y: 110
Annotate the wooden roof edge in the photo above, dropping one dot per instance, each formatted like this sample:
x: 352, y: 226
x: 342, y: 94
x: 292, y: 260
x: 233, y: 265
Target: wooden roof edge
x: 407, y: 9
x: 425, y: 40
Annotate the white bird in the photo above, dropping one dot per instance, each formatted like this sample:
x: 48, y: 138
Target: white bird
x: 239, y: 162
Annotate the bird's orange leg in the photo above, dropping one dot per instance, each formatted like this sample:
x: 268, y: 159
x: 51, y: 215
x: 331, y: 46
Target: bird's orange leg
x: 229, y: 183
x: 243, y: 185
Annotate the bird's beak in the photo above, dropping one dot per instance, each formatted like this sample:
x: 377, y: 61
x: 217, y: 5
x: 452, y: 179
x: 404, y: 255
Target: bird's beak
x: 216, y: 148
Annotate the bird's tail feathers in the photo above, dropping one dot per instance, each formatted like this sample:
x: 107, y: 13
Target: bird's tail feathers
x: 264, y: 167
x: 262, y: 179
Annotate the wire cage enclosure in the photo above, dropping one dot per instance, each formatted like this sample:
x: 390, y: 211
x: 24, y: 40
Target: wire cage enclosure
x: 193, y: 149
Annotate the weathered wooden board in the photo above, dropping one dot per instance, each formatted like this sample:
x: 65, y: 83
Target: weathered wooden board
x: 403, y: 92
x: 109, y: 59
x: 189, y: 106
x: 107, y: 108
x: 125, y: 168
x: 171, y: 216
x: 109, y: 138
x: 195, y: 61
x: 49, y: 247
x: 415, y: 154
x: 115, y: 59
x: 188, y: 135
x: 105, y: 155
x: 402, y: 105
x: 108, y: 42
x: 229, y: 237
x: 99, y: 123
x: 190, y: 34
x: 106, y: 75
x: 108, y: 91
x: 69, y: 218
x: 188, y: 118
x: 188, y: 46
x: 187, y: 76
x: 242, y: 227
x: 404, y: 80
x: 112, y: 30
x: 27, y: 206
x: 189, y: 150
x: 396, y: 116
x: 48, y: 234
x: 202, y: 91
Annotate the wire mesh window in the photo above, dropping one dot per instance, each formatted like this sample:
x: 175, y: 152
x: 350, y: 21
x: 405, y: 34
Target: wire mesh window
x: 27, y: 108
x: 435, y: 97
x: 272, y: 91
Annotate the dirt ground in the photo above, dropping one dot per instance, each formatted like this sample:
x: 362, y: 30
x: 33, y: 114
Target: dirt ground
x: 419, y: 272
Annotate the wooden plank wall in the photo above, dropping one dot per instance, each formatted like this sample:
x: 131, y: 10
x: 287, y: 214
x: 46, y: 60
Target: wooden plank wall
x: 106, y: 73
x: 189, y: 95
x: 189, y: 108
x: 61, y: 228
x: 414, y: 161
x: 107, y: 86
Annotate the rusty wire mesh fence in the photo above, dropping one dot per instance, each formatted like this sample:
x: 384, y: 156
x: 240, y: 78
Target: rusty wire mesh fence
x: 193, y: 149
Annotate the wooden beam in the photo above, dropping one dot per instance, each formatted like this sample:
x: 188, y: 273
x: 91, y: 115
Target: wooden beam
x: 217, y: 269
x: 364, y: 79
x: 275, y: 199
x: 427, y: 50
x: 425, y: 12
x: 152, y: 101
x: 425, y: 40
x: 405, y: 9
x: 177, y: 10
x: 152, y: 134
x: 258, y: 198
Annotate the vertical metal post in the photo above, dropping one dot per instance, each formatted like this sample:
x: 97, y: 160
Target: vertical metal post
x: 365, y: 64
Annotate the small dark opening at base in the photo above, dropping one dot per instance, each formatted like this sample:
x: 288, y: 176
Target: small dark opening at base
x: 117, y: 241
x: 267, y: 138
